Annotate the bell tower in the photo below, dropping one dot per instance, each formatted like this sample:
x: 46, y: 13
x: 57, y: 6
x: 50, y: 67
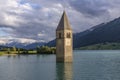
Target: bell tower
x: 64, y: 39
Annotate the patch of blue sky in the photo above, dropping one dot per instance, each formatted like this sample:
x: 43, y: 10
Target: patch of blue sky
x: 33, y: 5
x: 36, y: 6
x: 22, y: 2
x: 3, y: 32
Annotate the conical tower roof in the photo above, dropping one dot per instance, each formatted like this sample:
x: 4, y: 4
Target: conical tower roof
x: 64, y: 23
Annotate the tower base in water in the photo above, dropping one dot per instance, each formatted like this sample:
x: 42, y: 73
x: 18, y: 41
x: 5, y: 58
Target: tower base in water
x: 66, y: 59
x: 64, y: 39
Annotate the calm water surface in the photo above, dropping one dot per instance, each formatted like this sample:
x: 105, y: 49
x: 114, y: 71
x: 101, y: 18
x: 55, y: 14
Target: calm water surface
x: 87, y: 65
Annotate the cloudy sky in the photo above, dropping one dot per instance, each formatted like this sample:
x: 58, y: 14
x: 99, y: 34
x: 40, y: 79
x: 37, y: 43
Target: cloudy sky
x: 36, y: 20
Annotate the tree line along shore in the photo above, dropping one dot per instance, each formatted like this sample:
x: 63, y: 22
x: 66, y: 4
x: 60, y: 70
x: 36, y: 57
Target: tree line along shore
x: 38, y: 50
x: 52, y: 50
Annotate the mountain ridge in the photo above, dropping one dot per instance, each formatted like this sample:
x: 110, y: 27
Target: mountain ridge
x: 102, y: 33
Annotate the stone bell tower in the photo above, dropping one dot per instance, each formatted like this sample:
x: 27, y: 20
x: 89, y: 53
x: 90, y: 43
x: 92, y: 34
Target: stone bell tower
x: 64, y: 46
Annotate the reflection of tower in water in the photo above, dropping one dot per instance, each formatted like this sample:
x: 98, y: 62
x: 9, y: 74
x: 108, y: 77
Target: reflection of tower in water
x: 64, y: 71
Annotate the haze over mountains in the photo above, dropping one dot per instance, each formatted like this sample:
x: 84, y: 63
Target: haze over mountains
x: 102, y: 33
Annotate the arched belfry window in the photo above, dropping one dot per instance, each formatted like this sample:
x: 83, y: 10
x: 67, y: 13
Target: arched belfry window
x: 68, y: 35
x: 59, y: 35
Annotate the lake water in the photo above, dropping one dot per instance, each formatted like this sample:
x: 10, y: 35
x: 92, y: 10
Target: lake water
x: 87, y: 65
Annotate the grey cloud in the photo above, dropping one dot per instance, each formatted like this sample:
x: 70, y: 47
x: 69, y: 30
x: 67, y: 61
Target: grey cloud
x: 32, y: 30
x: 35, y: 22
x: 90, y: 8
x: 39, y: 23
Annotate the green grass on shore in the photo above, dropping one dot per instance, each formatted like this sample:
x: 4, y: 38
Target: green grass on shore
x: 12, y: 52
x: 102, y: 46
x: 32, y: 52
x: 1, y: 53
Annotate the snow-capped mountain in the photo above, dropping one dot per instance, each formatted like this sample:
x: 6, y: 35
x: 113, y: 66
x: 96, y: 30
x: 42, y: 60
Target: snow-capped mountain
x: 25, y: 45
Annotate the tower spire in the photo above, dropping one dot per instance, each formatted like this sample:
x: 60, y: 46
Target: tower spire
x: 64, y: 22
x: 64, y: 40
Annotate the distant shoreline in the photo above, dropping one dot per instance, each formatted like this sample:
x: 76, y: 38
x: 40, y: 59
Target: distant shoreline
x: 8, y: 54
x: 15, y: 54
